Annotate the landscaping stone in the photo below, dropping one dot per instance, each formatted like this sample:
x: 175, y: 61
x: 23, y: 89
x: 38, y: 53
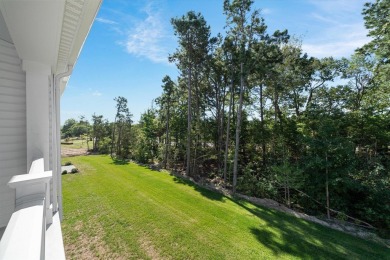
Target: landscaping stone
x: 68, y: 168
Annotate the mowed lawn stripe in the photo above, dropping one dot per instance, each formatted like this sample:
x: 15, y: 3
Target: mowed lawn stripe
x: 197, y: 216
x: 182, y: 214
x: 129, y: 211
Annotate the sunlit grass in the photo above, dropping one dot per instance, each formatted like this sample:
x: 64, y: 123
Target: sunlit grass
x: 114, y: 211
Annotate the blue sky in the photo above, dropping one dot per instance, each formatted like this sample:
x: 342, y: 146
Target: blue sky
x: 126, y: 51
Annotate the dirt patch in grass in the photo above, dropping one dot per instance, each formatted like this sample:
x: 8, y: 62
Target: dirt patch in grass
x: 150, y: 250
x: 69, y: 152
x: 88, y: 246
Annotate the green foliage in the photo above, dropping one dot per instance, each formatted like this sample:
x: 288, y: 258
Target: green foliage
x: 99, y: 134
x: 72, y: 128
x: 341, y: 216
x: 376, y: 16
x: 105, y: 145
x: 67, y: 126
x: 121, y: 131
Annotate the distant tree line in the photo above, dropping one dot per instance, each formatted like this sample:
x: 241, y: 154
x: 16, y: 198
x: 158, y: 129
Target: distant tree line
x: 253, y: 111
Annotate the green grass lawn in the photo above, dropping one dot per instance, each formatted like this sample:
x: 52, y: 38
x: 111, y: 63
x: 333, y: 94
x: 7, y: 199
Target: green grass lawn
x: 114, y: 211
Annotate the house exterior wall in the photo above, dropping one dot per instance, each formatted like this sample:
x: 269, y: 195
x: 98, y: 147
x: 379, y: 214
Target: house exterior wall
x: 37, y: 103
x: 13, y: 142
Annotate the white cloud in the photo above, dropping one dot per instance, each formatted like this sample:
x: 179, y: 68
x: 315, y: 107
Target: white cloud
x: 338, y: 6
x: 342, y: 30
x: 96, y: 93
x: 265, y: 11
x: 336, y: 49
x: 323, y: 18
x: 106, y: 21
x: 338, y: 41
x: 147, y: 39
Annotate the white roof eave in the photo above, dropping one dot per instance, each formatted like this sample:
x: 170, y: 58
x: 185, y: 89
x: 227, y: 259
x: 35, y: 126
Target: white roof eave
x: 49, y: 32
x: 77, y: 22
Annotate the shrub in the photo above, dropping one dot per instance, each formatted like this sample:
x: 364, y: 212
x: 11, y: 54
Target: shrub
x: 104, y: 145
x: 341, y: 216
x: 64, y: 172
x: 68, y: 163
x: 74, y: 170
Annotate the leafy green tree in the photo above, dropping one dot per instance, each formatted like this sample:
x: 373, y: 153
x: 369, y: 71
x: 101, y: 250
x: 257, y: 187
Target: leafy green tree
x: 194, y: 40
x: 358, y: 69
x: 244, y: 26
x: 376, y: 15
x: 329, y: 153
x: 165, y: 102
x: 100, y: 130
x: 149, y: 130
x: 74, y: 128
x: 66, y: 128
x: 121, y: 135
x: 325, y: 71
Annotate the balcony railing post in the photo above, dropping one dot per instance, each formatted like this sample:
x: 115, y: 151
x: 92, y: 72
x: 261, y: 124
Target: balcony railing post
x: 24, y: 237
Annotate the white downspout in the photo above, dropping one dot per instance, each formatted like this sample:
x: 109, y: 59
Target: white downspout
x: 57, y: 89
x: 54, y: 146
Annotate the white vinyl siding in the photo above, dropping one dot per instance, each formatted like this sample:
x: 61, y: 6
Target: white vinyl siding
x: 13, y: 145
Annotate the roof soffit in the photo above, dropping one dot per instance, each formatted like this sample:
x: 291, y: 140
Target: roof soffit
x: 35, y: 28
x: 49, y: 32
x: 77, y: 22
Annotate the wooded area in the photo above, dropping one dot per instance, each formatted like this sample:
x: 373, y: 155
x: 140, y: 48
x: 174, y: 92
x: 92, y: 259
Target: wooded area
x: 253, y: 112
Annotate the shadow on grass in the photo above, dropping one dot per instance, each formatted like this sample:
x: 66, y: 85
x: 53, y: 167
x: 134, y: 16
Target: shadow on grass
x: 284, y: 234
x: 212, y: 195
x: 119, y: 162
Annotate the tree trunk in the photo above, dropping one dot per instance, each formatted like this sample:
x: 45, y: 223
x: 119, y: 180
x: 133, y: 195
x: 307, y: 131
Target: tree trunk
x: 238, y: 130
x: 220, y: 133
x: 195, y: 155
x: 112, y: 140
x: 94, y: 144
x: 189, y: 111
x: 262, y: 123
x: 327, y: 186
x: 118, y: 145
x: 219, y: 126
x: 167, y: 142
x: 276, y: 104
x: 228, y: 133
x: 288, y: 190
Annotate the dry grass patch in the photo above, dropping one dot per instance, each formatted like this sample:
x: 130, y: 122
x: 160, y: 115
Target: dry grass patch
x: 151, y: 251
x: 86, y: 246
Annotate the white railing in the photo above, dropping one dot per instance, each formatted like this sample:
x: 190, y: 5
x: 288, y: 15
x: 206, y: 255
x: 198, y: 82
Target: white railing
x: 24, y: 237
